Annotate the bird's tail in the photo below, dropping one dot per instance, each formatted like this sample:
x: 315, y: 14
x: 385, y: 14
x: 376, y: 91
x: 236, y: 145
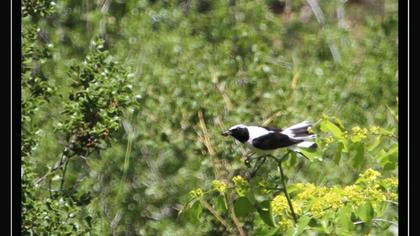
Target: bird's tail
x: 301, y: 132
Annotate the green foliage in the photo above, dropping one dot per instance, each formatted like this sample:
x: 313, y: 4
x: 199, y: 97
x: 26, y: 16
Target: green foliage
x: 101, y: 93
x: 37, y: 8
x: 340, y: 210
x: 194, y: 68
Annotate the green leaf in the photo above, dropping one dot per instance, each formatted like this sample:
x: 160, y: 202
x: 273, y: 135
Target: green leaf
x: 192, y: 211
x: 389, y: 159
x: 302, y: 224
x: 311, y: 154
x: 344, y: 225
x: 242, y: 207
x: 328, y: 126
x: 380, y: 208
x: 365, y: 212
x: 220, y: 203
x: 359, y: 160
x: 265, y: 211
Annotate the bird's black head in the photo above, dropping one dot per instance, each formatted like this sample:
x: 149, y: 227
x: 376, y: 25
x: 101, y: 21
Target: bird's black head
x: 239, y: 132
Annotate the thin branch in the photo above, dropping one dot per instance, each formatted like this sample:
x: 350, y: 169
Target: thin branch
x: 316, y: 9
x: 63, y: 175
x: 215, y: 214
x: 376, y: 220
x: 63, y: 160
x: 279, y: 162
x: 205, y: 139
x: 234, y: 218
x: 254, y: 172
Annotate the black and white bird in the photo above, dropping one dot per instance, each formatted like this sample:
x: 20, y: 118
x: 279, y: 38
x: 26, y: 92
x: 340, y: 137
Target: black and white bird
x: 265, y: 140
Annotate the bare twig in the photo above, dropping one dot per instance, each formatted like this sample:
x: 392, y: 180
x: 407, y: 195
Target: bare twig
x: 63, y: 175
x: 376, y: 220
x: 279, y: 162
x: 215, y: 214
x: 233, y: 215
x: 316, y: 9
x: 205, y: 139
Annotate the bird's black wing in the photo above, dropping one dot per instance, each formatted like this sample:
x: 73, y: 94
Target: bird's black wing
x: 272, y: 128
x: 273, y: 140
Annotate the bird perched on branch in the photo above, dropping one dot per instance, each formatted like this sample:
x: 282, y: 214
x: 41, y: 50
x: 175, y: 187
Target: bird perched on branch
x: 265, y: 140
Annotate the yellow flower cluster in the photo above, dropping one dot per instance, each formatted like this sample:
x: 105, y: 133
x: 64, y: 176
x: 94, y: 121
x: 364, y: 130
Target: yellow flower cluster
x: 241, y: 186
x: 239, y: 181
x: 285, y: 224
x: 219, y: 186
x: 196, y: 193
x: 374, y: 129
x: 369, y: 175
x: 318, y: 200
x: 391, y: 182
x: 281, y: 207
x: 359, y: 133
x: 328, y: 140
x: 353, y: 194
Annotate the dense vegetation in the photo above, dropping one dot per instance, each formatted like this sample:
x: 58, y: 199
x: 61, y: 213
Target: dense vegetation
x: 123, y: 103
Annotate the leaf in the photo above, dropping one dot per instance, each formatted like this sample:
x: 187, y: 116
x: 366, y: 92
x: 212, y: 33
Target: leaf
x: 389, y: 159
x: 292, y: 159
x: 311, y: 154
x: 380, y: 208
x: 359, y: 160
x: 375, y: 144
x: 327, y: 126
x: 344, y: 225
x: 265, y: 211
x: 192, y: 211
x: 365, y: 212
x: 220, y: 203
x: 242, y: 207
x: 302, y: 223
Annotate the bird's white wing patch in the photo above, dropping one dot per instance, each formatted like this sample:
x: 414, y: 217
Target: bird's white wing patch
x: 288, y: 132
x: 255, y: 132
x: 300, y: 125
x: 306, y: 144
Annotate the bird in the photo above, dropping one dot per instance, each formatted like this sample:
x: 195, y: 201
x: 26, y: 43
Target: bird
x: 266, y: 140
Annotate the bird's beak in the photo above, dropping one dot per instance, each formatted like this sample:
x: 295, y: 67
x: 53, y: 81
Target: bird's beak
x: 226, y: 133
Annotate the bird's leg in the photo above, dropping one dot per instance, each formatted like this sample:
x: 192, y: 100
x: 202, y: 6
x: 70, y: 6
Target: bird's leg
x: 258, y: 166
x: 249, y: 159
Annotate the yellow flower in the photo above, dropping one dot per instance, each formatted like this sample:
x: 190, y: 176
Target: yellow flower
x: 310, y: 130
x: 374, y: 194
x: 239, y: 181
x: 316, y: 209
x: 240, y: 184
x: 374, y: 129
x: 308, y: 192
x: 280, y: 206
x: 332, y: 199
x: 356, y: 129
x: 391, y: 182
x: 196, y: 193
x: 328, y: 140
x: 353, y: 194
x: 370, y: 175
x: 219, y: 186
x: 285, y: 224
x: 393, y: 197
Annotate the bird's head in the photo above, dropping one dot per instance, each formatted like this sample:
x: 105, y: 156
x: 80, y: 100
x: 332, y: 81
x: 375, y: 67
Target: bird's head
x: 239, y: 132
